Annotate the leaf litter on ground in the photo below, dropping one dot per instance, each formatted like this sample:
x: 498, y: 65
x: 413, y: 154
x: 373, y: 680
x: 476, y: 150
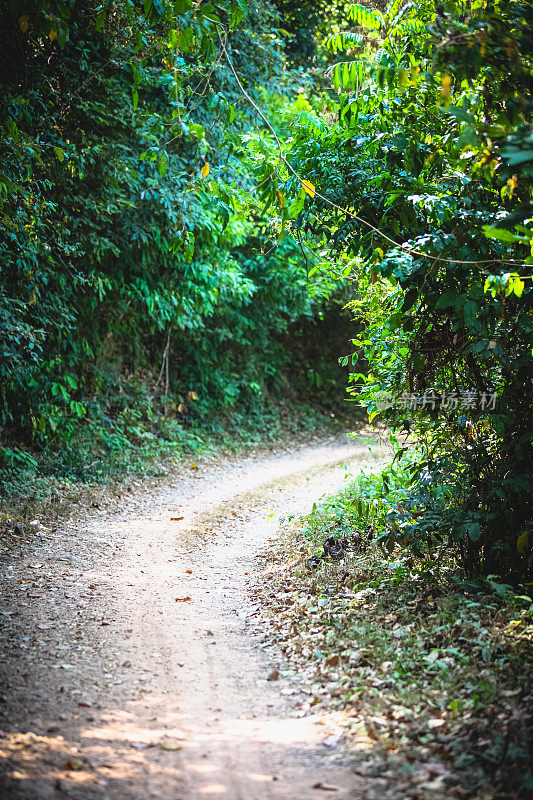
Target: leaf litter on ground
x: 434, y: 683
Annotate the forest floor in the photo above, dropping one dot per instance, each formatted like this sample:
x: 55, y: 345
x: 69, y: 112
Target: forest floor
x: 134, y: 661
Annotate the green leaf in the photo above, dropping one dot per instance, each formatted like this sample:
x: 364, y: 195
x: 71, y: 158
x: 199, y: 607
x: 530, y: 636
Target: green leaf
x: 296, y: 206
x: 518, y: 287
x: 399, y: 141
x: 186, y: 38
x: 474, y: 531
x: 410, y: 299
x: 237, y: 15
x: 460, y: 114
x: 500, y: 233
x: 468, y: 137
x: 515, y: 157
x: 470, y: 311
x: 364, y: 17
x: 197, y: 130
x: 100, y: 19
x: 446, y: 300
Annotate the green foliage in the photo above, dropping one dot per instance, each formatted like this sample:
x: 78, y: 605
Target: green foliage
x: 134, y: 297
x: 423, y: 179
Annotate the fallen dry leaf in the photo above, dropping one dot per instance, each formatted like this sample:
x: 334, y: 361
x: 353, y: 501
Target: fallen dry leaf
x: 175, y: 519
x: 182, y: 599
x: 73, y: 764
x: 170, y: 746
x: 326, y: 787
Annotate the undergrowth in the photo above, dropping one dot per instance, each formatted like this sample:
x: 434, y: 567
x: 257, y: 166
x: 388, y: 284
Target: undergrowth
x: 432, y: 671
x: 119, y: 448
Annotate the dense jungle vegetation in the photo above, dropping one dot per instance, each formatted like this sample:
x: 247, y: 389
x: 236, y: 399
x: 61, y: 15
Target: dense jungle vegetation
x: 191, y: 195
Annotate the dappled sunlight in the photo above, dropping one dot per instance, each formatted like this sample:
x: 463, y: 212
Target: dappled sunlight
x: 123, y: 751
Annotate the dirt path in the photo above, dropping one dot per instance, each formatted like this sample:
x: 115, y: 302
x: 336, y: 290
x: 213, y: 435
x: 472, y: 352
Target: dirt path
x: 132, y: 664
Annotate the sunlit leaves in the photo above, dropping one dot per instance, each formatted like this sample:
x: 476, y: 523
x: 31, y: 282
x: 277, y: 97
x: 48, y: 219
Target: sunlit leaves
x: 185, y: 39
x: 507, y: 284
x: 348, y: 74
x: 308, y: 188
x: 297, y: 205
x: 372, y: 20
x: 344, y: 41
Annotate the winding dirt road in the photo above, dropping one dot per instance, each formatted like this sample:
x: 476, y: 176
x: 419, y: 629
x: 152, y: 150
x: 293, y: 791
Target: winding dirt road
x: 134, y: 667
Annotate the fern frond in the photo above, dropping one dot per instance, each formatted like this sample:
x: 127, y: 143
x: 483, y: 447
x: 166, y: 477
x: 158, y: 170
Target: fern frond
x: 395, y: 21
x: 348, y: 74
x: 372, y: 20
x: 343, y: 41
x: 409, y: 26
x: 393, y: 8
x: 312, y: 124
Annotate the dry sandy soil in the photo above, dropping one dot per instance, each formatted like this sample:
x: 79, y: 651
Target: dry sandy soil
x: 133, y: 665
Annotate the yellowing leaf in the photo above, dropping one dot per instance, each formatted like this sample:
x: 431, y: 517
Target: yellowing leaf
x: 52, y: 35
x: 281, y: 200
x: 24, y: 21
x: 74, y: 764
x: 446, y: 83
x: 205, y: 170
x: 522, y: 544
x: 308, y: 188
